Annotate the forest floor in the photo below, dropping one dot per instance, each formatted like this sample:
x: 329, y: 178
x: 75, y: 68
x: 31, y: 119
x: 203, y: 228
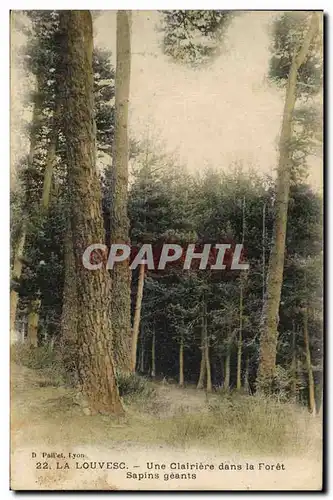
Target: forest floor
x: 174, y: 425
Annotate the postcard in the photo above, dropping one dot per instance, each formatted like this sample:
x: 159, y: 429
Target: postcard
x: 166, y: 291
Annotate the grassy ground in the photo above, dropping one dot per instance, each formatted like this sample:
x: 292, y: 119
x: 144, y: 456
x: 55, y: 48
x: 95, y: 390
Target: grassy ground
x: 163, y: 419
x: 166, y: 414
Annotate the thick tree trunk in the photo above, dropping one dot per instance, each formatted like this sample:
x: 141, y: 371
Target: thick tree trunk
x: 270, y: 313
x: 69, y: 316
x: 95, y: 363
x: 312, y: 400
x: 121, y: 274
x: 137, y: 316
x: 181, y: 362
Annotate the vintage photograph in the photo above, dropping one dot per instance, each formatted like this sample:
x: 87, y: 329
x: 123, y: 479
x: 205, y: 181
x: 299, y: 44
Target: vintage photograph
x: 166, y: 281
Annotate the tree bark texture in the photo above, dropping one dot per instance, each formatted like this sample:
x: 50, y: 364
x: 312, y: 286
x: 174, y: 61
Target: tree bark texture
x: 270, y: 313
x: 119, y: 224
x: 95, y: 362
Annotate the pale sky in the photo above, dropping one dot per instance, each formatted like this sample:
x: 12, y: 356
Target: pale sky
x: 213, y: 116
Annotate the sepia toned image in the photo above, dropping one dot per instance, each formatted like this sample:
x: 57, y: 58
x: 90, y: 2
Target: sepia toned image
x: 166, y: 282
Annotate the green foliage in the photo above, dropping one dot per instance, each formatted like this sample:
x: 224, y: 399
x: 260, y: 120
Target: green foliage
x: 212, y: 207
x: 132, y: 385
x: 43, y: 270
x: 31, y: 357
x: 288, y: 32
x: 104, y: 92
x: 45, y: 359
x: 194, y: 36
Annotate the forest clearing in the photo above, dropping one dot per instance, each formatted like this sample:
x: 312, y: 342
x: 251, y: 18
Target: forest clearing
x: 175, y: 425
x: 167, y: 281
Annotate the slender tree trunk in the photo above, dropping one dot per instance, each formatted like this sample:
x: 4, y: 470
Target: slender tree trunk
x: 32, y: 338
x: 121, y: 274
x: 137, y: 315
x: 202, y: 374
x: 208, y: 368
x: 263, y: 253
x: 222, y: 371
x: 33, y: 321
x: 246, y: 375
x: 153, y: 352
x: 226, y: 385
x: 16, y: 275
x: 203, y: 370
x: 21, y: 336
x: 312, y: 400
x: 95, y: 363
x: 294, y: 367
x: 141, y: 348
x: 240, y: 341
x: 142, y: 357
x: 19, y: 250
x: 181, y: 362
x: 207, y: 357
x: 270, y: 313
x: 45, y: 203
x: 321, y: 396
x: 240, y: 334
x: 51, y: 158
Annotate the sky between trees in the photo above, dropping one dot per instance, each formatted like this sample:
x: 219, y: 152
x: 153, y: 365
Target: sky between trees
x: 196, y: 103
x: 186, y: 110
